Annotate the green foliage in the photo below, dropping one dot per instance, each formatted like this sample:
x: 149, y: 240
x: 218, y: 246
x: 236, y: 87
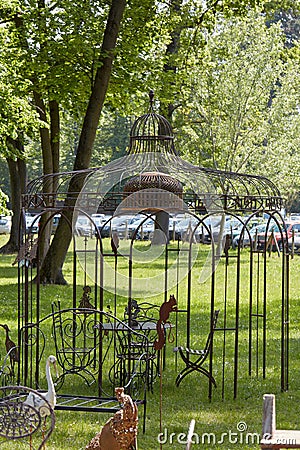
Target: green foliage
x: 3, y: 203
x: 241, y: 102
x: 17, y: 115
x: 214, y: 62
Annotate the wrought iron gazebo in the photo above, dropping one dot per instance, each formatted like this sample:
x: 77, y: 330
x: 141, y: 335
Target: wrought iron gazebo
x: 152, y: 181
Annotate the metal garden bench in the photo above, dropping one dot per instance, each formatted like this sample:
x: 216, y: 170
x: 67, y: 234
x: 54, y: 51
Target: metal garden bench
x: 85, y: 342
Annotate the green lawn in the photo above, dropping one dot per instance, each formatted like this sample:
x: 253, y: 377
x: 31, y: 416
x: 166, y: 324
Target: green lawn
x: 221, y: 423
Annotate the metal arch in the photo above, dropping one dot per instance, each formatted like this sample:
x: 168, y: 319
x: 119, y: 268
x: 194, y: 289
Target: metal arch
x: 161, y: 137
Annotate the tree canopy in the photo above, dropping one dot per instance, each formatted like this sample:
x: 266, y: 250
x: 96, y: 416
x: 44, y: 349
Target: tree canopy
x: 241, y: 101
x: 221, y: 68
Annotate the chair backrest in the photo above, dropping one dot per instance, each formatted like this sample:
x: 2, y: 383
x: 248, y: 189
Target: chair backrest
x: 143, y: 317
x: 141, y: 312
x: 75, y: 337
x: 211, y: 333
x: 23, y: 421
x: 85, y: 342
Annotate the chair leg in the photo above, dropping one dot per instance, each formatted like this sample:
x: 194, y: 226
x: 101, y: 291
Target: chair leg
x: 189, y: 369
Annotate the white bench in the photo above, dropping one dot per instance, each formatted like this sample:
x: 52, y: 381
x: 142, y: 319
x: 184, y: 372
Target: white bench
x: 271, y: 437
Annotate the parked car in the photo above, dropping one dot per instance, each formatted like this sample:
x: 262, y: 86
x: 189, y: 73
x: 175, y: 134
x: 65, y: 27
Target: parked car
x: 145, y: 230
x: 186, y: 227
x: 5, y: 224
x: 294, y: 239
x: 83, y: 226
x: 120, y: 224
x: 208, y: 227
x: 271, y: 234
x: 32, y: 223
x: 55, y: 222
x: 99, y: 219
x: 294, y: 242
x: 243, y: 237
x: 235, y: 228
x: 295, y: 216
x: 278, y: 235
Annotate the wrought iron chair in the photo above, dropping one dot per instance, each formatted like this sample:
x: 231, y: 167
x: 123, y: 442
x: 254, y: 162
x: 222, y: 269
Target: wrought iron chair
x: 76, y: 341
x: 143, y: 317
x: 134, y: 360
x: 136, y: 314
x: 201, y: 356
x: 22, y: 421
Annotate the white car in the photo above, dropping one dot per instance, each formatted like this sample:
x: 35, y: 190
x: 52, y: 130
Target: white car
x: 294, y: 242
x: 5, y: 225
x: 83, y: 226
x: 32, y: 223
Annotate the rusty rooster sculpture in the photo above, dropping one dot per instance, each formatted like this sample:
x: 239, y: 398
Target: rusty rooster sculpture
x: 120, y: 431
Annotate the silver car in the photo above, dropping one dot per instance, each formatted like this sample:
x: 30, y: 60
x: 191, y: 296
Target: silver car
x: 5, y: 225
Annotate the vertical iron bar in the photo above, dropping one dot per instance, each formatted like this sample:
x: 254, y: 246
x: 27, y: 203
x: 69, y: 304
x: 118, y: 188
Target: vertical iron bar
x: 224, y: 331
x: 265, y: 318
x: 130, y: 270
x: 189, y: 289
x: 165, y: 295
x: 257, y: 302
x: 26, y: 343
x: 176, y: 313
x: 250, y: 310
x: 37, y: 319
x: 287, y: 321
x: 95, y: 302
x: 236, y: 347
x: 74, y: 303
x: 100, y: 373
x: 212, y: 309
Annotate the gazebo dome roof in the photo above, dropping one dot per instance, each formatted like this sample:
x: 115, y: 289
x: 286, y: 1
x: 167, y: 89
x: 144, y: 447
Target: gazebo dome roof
x: 151, y: 132
x: 152, y: 162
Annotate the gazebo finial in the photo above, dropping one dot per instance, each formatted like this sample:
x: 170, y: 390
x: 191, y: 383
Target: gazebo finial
x: 151, y: 97
x: 151, y: 132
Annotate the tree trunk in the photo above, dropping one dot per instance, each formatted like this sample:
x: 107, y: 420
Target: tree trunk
x: 54, y: 136
x: 51, y: 270
x: 17, y: 174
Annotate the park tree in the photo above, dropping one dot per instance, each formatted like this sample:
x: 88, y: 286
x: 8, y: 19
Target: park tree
x: 281, y: 159
x: 242, y: 101
x: 18, y: 121
x: 66, y: 54
x: 69, y: 50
